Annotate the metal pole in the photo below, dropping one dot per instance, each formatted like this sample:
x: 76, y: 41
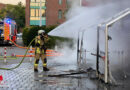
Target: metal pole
x: 78, y: 50
x: 97, y: 61
x: 40, y: 24
x: 30, y: 53
x: 5, y: 53
x: 106, y: 55
x: 80, y: 2
x: 10, y: 31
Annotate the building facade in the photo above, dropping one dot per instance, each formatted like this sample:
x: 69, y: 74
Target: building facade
x: 2, y: 6
x: 55, y: 11
x: 52, y: 12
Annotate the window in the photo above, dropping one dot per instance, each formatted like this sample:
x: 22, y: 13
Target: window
x: 41, y: 0
x: 60, y: 2
x: 67, y: 2
x: 43, y: 13
x: 60, y: 14
x: 38, y: 0
x: 32, y: 12
x: 32, y: 0
x: 36, y: 4
x: 37, y: 12
x: 43, y: 4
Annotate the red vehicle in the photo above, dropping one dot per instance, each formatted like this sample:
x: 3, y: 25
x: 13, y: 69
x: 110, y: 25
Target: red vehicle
x: 8, y: 31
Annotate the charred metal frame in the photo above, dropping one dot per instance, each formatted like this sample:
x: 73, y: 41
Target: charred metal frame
x: 107, y: 24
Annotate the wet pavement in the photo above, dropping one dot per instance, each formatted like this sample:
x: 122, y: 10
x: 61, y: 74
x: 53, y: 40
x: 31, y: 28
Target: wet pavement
x: 60, y: 77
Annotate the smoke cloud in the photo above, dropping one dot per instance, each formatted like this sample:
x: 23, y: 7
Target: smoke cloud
x: 85, y: 19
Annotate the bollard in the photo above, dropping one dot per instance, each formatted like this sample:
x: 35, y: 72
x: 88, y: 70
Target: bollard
x: 13, y: 55
x: 1, y: 79
x: 56, y: 48
x: 31, y: 53
x: 5, y: 55
x: 1, y: 54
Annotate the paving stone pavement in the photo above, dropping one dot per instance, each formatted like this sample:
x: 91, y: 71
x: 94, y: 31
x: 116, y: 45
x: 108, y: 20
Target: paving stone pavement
x: 24, y: 78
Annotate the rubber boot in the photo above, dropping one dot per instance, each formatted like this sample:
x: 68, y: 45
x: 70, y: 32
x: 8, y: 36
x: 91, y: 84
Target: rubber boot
x: 35, y: 70
x: 45, y: 69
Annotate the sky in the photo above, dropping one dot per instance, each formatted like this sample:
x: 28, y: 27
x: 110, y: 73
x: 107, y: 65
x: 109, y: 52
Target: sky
x: 12, y: 1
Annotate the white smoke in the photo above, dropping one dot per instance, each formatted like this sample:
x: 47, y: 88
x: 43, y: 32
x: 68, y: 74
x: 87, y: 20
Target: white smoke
x: 80, y: 18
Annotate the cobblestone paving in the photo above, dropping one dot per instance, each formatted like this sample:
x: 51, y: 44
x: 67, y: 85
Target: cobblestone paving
x: 24, y: 78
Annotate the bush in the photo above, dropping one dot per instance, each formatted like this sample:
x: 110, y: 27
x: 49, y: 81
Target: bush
x: 25, y: 36
x: 31, y: 32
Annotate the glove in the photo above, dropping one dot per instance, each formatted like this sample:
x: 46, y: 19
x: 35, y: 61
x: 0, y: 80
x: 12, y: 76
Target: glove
x: 42, y: 37
x: 37, y: 44
x: 43, y: 47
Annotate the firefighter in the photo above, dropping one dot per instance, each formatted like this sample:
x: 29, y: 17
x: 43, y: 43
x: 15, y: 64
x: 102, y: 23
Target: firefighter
x: 40, y: 50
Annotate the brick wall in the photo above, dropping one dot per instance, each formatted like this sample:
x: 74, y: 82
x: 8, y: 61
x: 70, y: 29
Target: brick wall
x: 2, y: 6
x: 52, y: 12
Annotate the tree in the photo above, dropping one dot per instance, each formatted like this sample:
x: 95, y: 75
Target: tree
x: 15, y: 12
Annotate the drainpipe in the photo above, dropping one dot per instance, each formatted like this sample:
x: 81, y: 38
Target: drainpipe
x: 40, y: 23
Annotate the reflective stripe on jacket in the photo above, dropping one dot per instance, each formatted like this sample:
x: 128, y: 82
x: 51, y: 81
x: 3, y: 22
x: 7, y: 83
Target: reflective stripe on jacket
x: 39, y: 49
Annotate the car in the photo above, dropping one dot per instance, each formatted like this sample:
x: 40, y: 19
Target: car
x: 19, y: 36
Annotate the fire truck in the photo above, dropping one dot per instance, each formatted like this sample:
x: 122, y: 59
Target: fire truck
x: 8, y: 31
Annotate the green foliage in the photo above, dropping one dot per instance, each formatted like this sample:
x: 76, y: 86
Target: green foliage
x: 30, y: 33
x: 25, y: 36
x: 15, y: 12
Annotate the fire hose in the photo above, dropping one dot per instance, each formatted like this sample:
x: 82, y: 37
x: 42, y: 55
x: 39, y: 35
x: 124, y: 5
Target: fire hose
x: 18, y: 45
x: 21, y: 60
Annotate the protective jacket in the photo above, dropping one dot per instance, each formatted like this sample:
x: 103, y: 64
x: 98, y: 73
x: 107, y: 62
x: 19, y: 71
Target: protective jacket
x: 40, y: 45
x: 40, y: 52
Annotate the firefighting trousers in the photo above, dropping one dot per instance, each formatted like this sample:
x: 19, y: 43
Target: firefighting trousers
x: 37, y: 58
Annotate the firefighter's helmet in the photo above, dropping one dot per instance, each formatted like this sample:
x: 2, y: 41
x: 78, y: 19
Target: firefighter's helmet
x: 41, y: 32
